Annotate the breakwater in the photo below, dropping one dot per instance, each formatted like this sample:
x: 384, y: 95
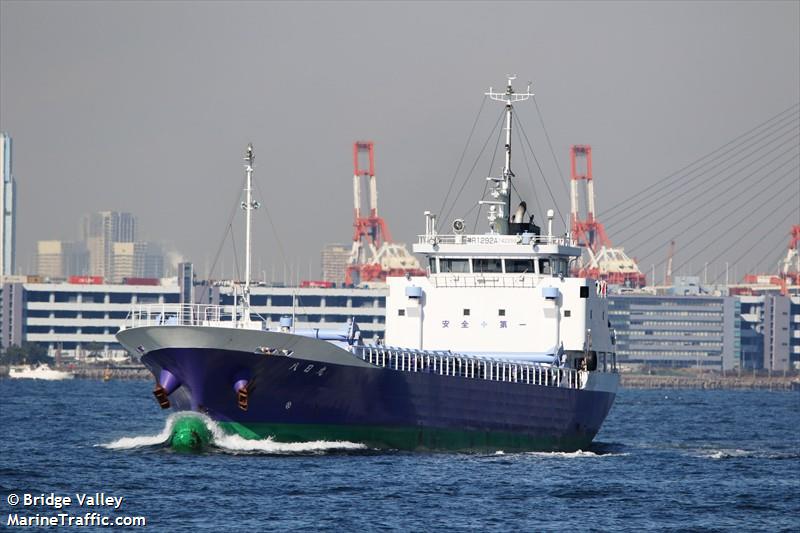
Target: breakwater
x: 759, y: 382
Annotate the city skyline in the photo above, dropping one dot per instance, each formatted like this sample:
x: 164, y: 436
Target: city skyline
x: 651, y: 86
x: 108, y: 247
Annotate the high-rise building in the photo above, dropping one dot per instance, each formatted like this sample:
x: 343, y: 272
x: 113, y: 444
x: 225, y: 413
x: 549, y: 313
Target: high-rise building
x: 136, y: 260
x: 7, y: 208
x: 125, y: 261
x: 153, y: 261
x: 100, y: 231
x: 334, y: 262
x: 61, y: 259
x: 186, y: 282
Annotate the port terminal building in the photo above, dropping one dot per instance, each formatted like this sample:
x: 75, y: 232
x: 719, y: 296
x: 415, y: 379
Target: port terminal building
x: 70, y: 317
x: 685, y: 326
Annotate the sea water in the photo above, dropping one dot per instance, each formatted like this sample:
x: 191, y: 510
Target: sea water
x: 665, y: 459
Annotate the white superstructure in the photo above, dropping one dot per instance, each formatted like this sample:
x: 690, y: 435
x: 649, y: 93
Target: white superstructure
x: 498, y: 295
x: 506, y: 293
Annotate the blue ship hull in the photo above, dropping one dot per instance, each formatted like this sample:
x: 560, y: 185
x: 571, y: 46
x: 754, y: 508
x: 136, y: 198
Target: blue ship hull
x: 291, y: 398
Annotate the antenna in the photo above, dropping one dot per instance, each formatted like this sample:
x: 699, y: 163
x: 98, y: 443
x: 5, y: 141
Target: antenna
x: 501, y: 209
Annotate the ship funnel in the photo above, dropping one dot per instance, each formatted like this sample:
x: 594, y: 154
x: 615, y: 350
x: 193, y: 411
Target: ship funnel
x: 519, y: 214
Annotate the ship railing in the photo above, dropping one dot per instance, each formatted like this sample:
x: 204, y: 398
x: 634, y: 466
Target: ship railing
x: 471, y: 367
x: 142, y: 315
x: 527, y: 239
x: 453, y: 280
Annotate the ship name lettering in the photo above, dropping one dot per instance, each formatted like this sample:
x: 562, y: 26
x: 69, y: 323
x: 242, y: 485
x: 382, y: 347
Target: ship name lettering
x: 307, y: 369
x: 322, y: 370
x: 293, y: 368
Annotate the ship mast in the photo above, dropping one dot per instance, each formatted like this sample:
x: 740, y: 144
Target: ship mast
x: 500, y: 207
x: 248, y: 205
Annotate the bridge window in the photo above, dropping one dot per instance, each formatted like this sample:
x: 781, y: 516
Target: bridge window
x: 454, y: 265
x: 544, y: 266
x: 501, y: 312
x: 432, y: 264
x: 466, y: 312
x: 487, y: 265
x: 520, y: 266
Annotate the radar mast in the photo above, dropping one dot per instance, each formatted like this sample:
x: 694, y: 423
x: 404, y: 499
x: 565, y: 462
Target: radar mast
x: 500, y: 205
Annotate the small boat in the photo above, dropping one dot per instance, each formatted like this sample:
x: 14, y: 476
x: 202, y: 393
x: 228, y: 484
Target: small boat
x: 107, y: 374
x: 41, y: 371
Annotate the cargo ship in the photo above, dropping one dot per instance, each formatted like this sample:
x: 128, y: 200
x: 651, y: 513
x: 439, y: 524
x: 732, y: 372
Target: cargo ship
x: 496, y: 347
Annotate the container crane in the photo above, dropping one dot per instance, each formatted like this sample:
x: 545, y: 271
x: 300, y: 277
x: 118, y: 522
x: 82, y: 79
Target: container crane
x: 373, y: 256
x: 605, y: 262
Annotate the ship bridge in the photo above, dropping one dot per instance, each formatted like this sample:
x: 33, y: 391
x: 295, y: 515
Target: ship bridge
x: 494, y: 253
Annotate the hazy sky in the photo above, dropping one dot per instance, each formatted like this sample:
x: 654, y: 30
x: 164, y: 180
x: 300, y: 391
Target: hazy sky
x: 147, y: 107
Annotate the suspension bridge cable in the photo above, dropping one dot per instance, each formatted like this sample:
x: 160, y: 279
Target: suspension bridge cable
x: 720, y: 238
x: 732, y: 141
x: 770, y: 230
x: 677, y: 184
x: 701, y: 234
x: 663, y: 205
x: 705, y: 216
x: 741, y: 237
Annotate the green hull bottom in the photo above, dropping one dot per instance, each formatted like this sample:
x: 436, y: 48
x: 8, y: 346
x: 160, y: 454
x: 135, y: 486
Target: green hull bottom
x: 408, y: 438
